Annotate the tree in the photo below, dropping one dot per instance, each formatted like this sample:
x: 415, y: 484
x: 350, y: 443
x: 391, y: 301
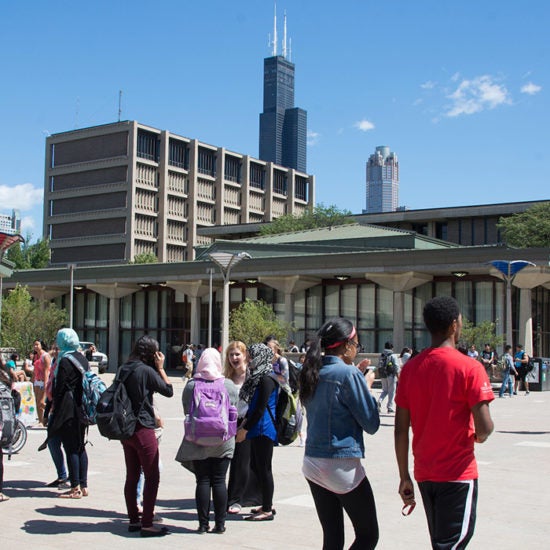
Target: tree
x: 479, y: 335
x: 528, y: 229
x: 318, y: 216
x: 253, y: 321
x: 145, y: 258
x: 25, y: 320
x: 30, y: 256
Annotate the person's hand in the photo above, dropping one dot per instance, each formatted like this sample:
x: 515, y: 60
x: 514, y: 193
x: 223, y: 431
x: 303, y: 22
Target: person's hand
x: 364, y: 365
x: 369, y: 378
x: 159, y: 360
x: 406, y: 492
x: 241, y: 435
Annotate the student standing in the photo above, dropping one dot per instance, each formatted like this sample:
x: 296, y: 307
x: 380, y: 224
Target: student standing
x: 444, y: 396
x: 340, y: 407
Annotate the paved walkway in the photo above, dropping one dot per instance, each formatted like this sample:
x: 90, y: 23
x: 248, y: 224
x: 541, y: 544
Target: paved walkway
x: 513, y: 507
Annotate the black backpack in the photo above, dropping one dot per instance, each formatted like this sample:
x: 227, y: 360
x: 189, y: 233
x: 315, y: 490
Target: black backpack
x: 8, y: 420
x: 293, y: 376
x: 115, y: 415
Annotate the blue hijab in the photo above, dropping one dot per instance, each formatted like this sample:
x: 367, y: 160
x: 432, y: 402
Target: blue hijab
x: 67, y: 341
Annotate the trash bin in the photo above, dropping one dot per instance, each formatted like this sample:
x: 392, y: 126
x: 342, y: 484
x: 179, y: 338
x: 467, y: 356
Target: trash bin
x: 538, y: 378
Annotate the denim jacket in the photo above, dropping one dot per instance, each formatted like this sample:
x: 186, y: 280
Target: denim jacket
x: 341, y: 408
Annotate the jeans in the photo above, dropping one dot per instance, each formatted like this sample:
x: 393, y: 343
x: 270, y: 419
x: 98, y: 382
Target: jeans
x: 210, y: 475
x: 141, y: 451
x: 54, y: 446
x: 72, y: 437
x: 388, y: 388
x: 359, y: 506
x: 507, y: 382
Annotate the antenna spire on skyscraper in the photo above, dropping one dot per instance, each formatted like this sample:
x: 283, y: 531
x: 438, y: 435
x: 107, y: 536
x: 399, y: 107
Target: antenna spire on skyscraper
x: 284, y: 35
x: 274, y: 53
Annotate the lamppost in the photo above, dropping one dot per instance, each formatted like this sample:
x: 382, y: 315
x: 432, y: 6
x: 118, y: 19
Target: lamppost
x: 226, y: 261
x: 71, y: 294
x: 509, y: 270
x: 210, y: 272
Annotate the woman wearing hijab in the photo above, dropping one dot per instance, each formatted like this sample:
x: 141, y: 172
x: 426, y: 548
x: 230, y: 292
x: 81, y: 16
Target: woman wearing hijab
x: 66, y: 402
x: 143, y: 375
x: 208, y: 463
x: 260, y: 391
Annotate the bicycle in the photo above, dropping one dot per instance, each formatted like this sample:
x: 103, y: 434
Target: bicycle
x: 19, y: 439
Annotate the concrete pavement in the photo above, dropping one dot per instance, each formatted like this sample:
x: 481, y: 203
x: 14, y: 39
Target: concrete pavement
x: 514, y: 496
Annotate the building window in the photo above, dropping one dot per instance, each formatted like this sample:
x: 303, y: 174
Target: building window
x: 178, y: 154
x: 257, y: 176
x: 207, y: 162
x: 232, y: 169
x: 301, y: 188
x: 148, y: 145
x: 441, y: 230
x: 279, y: 182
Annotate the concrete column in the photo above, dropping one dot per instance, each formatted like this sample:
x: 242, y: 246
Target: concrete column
x: 398, y: 320
x: 114, y: 333
x: 195, y: 319
x: 525, y: 321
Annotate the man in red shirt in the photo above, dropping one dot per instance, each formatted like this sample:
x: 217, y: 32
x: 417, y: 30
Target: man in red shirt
x: 444, y: 397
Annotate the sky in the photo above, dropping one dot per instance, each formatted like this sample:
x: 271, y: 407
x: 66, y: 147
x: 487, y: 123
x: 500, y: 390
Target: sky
x: 458, y: 90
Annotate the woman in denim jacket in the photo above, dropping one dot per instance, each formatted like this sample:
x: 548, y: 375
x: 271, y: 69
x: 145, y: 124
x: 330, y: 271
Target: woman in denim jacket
x: 339, y: 408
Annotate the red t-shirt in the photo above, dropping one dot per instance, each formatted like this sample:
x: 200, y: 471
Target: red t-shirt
x: 439, y: 387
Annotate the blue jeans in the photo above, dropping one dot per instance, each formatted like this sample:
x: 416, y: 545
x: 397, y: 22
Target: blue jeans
x: 507, y: 382
x: 54, y: 446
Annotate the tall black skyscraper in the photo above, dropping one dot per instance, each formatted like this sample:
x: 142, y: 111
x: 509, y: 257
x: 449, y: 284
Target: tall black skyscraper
x: 283, y: 127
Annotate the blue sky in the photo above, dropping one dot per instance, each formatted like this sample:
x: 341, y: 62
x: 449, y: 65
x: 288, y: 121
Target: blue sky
x: 459, y: 90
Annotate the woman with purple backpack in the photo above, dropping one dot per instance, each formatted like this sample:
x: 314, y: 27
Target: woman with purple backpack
x: 202, y: 451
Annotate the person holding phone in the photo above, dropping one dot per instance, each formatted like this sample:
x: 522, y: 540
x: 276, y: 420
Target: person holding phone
x: 141, y: 451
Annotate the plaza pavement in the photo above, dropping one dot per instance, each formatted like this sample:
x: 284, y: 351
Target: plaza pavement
x: 513, y: 505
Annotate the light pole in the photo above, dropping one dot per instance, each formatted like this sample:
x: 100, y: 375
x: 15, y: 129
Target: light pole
x: 509, y: 270
x: 226, y: 261
x: 71, y: 294
x: 210, y: 272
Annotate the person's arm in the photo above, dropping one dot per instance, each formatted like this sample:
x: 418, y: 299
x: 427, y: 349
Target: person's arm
x: 265, y: 389
x: 401, y: 443
x: 47, y: 364
x: 483, y: 422
x: 360, y: 401
x: 160, y: 381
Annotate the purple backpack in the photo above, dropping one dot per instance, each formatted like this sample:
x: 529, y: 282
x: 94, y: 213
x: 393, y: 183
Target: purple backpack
x: 211, y: 419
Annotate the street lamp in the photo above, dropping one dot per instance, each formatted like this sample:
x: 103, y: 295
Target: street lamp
x: 71, y: 294
x: 226, y: 261
x: 210, y: 272
x: 509, y: 270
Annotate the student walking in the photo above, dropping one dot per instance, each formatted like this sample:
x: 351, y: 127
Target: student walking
x: 444, y: 396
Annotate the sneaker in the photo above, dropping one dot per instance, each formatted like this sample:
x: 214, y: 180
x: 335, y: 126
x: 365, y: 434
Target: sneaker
x: 390, y: 411
x: 379, y: 406
x: 526, y: 393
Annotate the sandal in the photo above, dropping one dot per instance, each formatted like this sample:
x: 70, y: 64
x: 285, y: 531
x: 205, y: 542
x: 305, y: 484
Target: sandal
x: 234, y: 509
x: 261, y: 516
x: 258, y: 510
x: 3, y: 497
x: 73, y: 493
x: 84, y: 491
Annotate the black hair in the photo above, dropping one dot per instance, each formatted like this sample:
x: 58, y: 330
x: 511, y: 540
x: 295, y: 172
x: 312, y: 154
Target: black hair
x: 14, y: 357
x: 388, y: 345
x: 405, y: 350
x: 462, y: 349
x: 335, y: 331
x: 508, y: 347
x: 269, y: 338
x: 439, y: 313
x: 144, y: 349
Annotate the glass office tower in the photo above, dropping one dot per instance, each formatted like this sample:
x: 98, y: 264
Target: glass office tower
x: 382, y: 181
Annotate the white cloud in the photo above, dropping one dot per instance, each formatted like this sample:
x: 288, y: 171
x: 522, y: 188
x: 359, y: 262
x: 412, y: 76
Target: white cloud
x: 24, y: 197
x: 428, y: 85
x: 364, y: 125
x: 313, y: 138
x: 530, y: 88
x: 476, y: 95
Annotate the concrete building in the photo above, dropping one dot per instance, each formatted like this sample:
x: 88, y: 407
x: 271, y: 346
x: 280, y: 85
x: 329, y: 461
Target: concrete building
x: 283, y: 127
x: 114, y: 191
x: 382, y: 181
x: 10, y: 224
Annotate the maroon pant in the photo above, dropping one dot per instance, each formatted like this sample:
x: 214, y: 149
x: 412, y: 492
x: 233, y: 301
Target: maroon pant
x: 141, y: 451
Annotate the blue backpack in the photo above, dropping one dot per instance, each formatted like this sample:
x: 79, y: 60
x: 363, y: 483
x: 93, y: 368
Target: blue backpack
x: 92, y: 388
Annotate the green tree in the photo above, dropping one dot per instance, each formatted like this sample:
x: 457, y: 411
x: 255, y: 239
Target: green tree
x: 528, y: 229
x: 30, y: 256
x: 24, y: 320
x: 479, y: 335
x: 145, y: 258
x: 319, y: 216
x: 252, y: 321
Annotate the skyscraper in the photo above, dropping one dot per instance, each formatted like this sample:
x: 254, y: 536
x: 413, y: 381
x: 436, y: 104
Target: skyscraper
x: 382, y: 181
x: 283, y: 127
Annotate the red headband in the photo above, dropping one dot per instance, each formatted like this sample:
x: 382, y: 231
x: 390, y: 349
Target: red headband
x: 336, y: 344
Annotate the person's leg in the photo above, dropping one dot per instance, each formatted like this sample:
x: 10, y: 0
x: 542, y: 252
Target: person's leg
x: 40, y: 402
x: 70, y: 440
x: 330, y: 514
x: 454, y: 513
x: 148, y: 452
x: 360, y: 507
x: 384, y: 382
x: 202, y: 491
x: 391, y: 392
x: 262, y: 451
x: 133, y: 469
x: 83, y: 470
x: 218, y: 473
x: 239, y: 473
x: 505, y: 382
x: 54, y: 446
